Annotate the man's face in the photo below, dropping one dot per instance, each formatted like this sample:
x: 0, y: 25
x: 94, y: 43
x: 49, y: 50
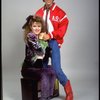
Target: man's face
x: 48, y: 2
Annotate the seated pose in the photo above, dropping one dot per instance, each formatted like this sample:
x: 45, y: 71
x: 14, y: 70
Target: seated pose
x: 35, y: 45
x: 36, y: 50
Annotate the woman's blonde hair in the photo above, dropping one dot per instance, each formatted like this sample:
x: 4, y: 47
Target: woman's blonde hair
x: 27, y: 26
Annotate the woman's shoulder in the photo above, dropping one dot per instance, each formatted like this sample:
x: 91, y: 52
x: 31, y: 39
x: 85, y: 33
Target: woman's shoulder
x: 31, y: 36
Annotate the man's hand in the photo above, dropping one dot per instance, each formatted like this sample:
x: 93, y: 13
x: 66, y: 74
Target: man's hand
x: 41, y: 35
x: 46, y: 37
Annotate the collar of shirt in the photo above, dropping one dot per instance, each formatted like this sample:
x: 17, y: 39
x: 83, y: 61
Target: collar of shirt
x: 50, y: 7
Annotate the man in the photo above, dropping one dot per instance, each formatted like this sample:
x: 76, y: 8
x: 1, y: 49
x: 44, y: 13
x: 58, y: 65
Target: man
x: 56, y: 25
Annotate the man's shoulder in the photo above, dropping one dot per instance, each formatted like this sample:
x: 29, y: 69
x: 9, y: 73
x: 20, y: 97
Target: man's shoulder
x: 39, y: 12
x: 59, y: 9
x: 40, y: 9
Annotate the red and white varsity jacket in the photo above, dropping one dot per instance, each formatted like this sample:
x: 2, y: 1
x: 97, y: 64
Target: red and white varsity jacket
x: 57, y: 22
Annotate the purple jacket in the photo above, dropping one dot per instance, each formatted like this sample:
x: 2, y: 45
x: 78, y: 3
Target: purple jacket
x: 33, y: 48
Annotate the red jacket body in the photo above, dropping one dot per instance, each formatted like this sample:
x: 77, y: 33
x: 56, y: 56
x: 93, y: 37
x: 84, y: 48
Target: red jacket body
x: 57, y: 22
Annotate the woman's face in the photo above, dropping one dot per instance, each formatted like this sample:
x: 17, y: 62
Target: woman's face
x: 36, y: 27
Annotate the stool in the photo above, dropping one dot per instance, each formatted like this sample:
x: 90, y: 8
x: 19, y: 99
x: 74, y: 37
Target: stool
x: 35, y: 80
x: 29, y: 89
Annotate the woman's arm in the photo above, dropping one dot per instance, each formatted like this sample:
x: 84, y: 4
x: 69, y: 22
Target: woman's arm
x: 33, y: 41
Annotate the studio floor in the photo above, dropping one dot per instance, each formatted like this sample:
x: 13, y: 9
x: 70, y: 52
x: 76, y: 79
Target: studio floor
x: 85, y: 87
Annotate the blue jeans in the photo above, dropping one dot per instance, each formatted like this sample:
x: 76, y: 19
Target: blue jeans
x: 56, y: 62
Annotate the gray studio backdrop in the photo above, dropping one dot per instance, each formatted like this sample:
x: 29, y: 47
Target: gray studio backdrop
x: 79, y: 52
